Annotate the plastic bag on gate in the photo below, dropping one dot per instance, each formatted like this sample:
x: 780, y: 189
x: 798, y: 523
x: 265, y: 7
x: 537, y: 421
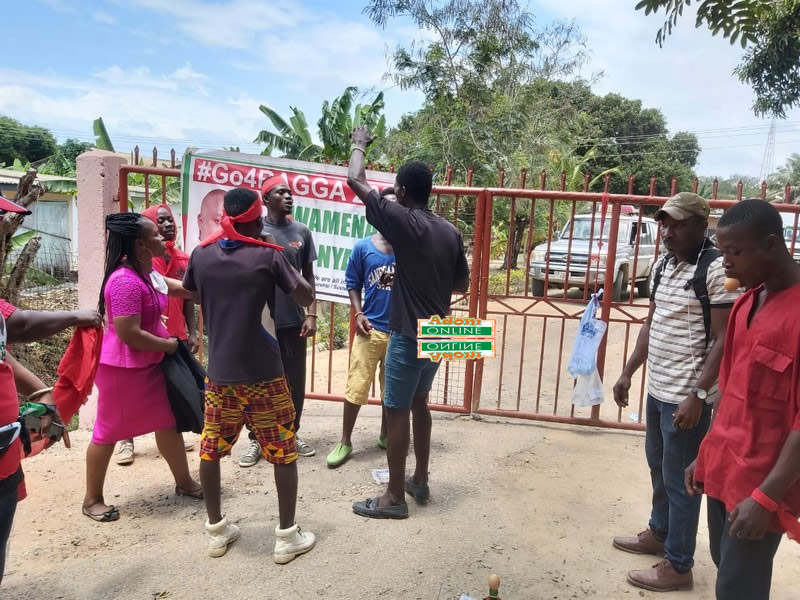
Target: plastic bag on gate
x: 590, y: 334
x: 588, y: 390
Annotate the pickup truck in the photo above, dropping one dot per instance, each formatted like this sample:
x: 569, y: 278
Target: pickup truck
x: 584, y: 256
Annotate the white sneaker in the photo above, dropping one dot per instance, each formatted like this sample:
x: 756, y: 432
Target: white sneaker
x: 250, y: 456
x: 222, y: 535
x: 304, y: 449
x: 125, y: 453
x: 290, y: 543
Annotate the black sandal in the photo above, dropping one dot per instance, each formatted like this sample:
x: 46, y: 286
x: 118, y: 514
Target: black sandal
x: 370, y: 508
x: 112, y: 514
x: 196, y: 494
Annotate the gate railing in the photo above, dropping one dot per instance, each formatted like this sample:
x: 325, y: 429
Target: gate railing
x: 527, y: 378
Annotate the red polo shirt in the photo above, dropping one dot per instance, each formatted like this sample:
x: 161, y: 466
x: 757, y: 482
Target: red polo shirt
x: 10, y: 462
x: 760, y: 404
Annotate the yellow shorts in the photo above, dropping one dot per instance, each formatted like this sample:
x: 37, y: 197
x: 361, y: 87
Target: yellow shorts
x: 368, y: 352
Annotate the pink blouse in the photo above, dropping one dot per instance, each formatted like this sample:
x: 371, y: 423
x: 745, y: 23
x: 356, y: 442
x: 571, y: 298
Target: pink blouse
x: 126, y: 294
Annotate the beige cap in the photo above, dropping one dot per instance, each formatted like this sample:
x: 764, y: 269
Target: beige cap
x: 684, y: 205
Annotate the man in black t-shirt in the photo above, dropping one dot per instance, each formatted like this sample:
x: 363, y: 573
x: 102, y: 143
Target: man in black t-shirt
x: 236, y: 278
x: 294, y: 326
x: 431, y: 265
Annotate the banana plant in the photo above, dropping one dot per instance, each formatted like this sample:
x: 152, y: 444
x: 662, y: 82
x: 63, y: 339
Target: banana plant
x: 293, y: 138
x: 337, y: 122
x: 102, y: 140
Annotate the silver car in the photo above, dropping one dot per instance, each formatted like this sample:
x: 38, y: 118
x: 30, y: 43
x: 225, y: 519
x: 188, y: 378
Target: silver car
x: 584, y: 257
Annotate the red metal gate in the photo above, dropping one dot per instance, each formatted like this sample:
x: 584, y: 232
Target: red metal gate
x: 527, y: 378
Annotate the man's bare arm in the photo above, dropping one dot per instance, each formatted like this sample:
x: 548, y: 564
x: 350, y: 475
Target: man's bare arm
x: 357, y: 173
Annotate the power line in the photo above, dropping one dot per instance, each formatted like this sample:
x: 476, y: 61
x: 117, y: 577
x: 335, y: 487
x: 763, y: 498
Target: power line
x: 788, y: 126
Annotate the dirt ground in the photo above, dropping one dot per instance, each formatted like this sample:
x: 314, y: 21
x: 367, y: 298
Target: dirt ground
x: 536, y: 504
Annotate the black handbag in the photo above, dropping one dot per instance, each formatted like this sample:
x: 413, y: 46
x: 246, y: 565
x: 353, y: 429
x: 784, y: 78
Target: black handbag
x: 185, y: 378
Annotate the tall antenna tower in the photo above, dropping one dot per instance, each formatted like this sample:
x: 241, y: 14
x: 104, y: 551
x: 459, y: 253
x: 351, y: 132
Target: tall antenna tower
x: 768, y: 163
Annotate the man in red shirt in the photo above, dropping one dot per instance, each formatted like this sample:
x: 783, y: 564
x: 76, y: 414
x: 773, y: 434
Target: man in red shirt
x: 181, y: 321
x: 749, y: 463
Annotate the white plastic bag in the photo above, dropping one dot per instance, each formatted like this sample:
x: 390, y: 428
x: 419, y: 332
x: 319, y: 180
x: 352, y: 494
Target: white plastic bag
x: 588, y: 390
x: 590, y: 334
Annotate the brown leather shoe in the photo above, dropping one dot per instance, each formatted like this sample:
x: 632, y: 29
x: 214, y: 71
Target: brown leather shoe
x: 661, y: 578
x: 644, y: 543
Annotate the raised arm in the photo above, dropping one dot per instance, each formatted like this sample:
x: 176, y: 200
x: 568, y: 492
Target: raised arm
x: 357, y: 174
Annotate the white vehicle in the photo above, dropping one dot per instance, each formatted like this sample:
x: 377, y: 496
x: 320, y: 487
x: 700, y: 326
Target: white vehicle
x: 789, y: 233
x: 583, y: 256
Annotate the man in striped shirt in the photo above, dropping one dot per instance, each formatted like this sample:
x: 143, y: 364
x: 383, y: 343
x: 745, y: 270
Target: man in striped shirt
x: 683, y: 353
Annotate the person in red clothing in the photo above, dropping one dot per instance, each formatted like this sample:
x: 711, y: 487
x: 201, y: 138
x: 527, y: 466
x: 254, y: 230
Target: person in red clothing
x: 749, y: 463
x: 21, y: 326
x: 181, y: 321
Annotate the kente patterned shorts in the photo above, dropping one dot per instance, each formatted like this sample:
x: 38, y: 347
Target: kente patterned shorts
x: 267, y: 409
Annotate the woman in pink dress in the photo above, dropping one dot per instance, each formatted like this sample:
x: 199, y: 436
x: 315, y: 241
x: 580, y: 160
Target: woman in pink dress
x: 132, y: 399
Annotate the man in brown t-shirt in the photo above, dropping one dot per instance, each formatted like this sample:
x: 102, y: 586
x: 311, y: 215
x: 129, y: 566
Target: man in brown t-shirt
x: 236, y: 275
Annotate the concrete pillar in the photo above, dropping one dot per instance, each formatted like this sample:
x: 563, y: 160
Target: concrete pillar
x: 98, y: 196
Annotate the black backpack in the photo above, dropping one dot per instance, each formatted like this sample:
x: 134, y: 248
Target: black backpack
x: 699, y: 283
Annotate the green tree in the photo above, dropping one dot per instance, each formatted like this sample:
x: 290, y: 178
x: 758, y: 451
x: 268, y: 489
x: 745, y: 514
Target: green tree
x: 63, y: 160
x: 485, y: 72
x: 727, y: 187
x: 28, y: 144
x: 789, y: 173
x: 637, y: 140
x: 768, y: 29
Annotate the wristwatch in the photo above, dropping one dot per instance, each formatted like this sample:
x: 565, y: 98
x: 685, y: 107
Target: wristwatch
x: 702, y: 394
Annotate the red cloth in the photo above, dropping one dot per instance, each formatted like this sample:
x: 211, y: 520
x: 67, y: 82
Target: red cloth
x: 173, y: 265
x: 760, y: 403
x: 77, y: 370
x: 228, y: 232
x: 76, y: 373
x: 786, y: 520
x: 9, y: 405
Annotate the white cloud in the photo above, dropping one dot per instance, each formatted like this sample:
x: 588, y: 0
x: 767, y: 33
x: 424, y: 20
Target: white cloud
x: 102, y: 16
x: 690, y: 79
x: 137, y: 105
x: 232, y: 24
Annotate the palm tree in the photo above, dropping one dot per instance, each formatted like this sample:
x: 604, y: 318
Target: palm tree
x: 293, y: 138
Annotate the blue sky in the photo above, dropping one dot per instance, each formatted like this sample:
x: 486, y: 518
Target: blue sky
x: 174, y: 73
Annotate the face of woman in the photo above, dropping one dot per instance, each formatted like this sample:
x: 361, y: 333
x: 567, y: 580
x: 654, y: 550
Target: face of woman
x: 150, y: 239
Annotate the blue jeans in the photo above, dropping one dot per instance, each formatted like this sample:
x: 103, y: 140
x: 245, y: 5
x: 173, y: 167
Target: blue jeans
x: 669, y: 451
x: 744, y: 567
x: 406, y: 374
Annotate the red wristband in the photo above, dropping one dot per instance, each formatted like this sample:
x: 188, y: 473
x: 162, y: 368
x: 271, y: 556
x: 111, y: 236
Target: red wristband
x: 765, y: 501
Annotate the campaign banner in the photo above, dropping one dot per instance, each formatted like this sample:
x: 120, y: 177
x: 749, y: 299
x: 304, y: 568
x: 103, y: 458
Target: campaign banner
x: 322, y: 201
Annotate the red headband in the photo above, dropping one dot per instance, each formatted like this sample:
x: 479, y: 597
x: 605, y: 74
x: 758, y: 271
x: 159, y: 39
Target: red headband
x: 271, y: 183
x: 229, y: 231
x: 152, y: 214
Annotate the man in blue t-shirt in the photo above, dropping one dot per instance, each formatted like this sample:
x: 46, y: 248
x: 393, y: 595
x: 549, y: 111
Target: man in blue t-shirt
x: 371, y: 267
